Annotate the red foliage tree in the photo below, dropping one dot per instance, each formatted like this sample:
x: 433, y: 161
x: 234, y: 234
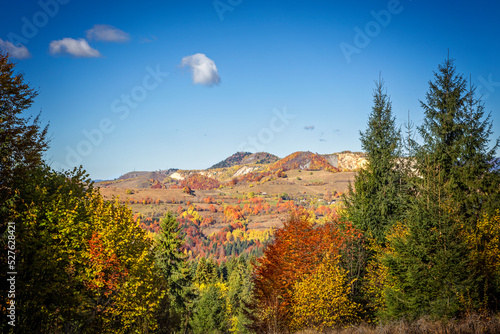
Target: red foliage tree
x: 107, y: 270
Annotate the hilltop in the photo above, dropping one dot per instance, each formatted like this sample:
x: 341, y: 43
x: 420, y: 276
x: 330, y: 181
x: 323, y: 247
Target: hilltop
x: 246, y: 158
x: 155, y: 174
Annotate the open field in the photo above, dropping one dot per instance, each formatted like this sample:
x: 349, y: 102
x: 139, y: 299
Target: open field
x: 310, y: 183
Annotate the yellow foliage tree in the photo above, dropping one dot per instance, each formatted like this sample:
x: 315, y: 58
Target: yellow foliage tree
x: 484, y: 242
x: 131, y: 298
x: 377, y: 281
x: 84, y: 263
x: 321, y: 299
x: 484, y: 256
x: 192, y: 212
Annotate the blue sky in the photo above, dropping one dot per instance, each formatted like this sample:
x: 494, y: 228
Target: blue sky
x: 145, y: 85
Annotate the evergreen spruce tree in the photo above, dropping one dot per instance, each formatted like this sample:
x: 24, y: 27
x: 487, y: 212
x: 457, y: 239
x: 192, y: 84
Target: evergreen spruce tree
x: 210, y: 315
x: 240, y: 294
x: 454, y: 186
x: 173, y: 265
x: 376, y: 202
x: 206, y: 271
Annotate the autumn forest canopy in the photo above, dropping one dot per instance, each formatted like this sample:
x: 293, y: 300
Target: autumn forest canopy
x: 415, y: 235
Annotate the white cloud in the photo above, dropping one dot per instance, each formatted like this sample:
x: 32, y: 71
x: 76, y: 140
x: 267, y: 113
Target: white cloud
x: 16, y: 51
x: 77, y: 48
x: 203, y: 68
x: 107, y: 33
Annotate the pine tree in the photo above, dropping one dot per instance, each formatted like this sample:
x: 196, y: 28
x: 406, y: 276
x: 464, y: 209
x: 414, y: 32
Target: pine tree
x: 376, y: 202
x: 454, y: 185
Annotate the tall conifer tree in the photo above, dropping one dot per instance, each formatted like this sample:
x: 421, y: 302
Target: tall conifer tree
x: 375, y: 202
x: 454, y: 186
x: 172, y: 263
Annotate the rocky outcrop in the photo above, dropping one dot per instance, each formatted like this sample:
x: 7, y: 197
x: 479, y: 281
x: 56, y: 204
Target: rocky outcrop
x: 346, y: 161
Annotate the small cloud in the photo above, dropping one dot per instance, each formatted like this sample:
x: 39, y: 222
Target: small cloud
x: 150, y: 39
x: 77, y: 48
x: 16, y: 51
x: 107, y: 33
x: 309, y: 127
x: 203, y: 68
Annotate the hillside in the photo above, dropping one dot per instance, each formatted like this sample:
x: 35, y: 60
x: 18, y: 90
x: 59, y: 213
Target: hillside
x: 156, y: 174
x: 303, y: 161
x: 246, y: 158
x: 139, y: 179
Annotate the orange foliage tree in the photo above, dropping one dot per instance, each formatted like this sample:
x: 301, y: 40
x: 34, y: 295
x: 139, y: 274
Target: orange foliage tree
x: 105, y: 270
x: 200, y: 182
x: 298, y: 248
x: 187, y: 190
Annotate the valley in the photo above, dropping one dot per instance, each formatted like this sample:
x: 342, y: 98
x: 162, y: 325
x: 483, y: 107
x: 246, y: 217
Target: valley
x: 239, y: 200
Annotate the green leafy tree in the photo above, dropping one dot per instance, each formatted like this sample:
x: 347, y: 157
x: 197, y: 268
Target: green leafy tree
x: 22, y: 141
x: 51, y: 229
x: 83, y: 265
x: 376, y: 201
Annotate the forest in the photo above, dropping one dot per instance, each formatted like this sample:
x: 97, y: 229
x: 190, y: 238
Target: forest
x: 413, y: 245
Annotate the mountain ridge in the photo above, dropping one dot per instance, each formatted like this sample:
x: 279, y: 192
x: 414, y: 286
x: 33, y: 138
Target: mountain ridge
x: 241, y: 166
